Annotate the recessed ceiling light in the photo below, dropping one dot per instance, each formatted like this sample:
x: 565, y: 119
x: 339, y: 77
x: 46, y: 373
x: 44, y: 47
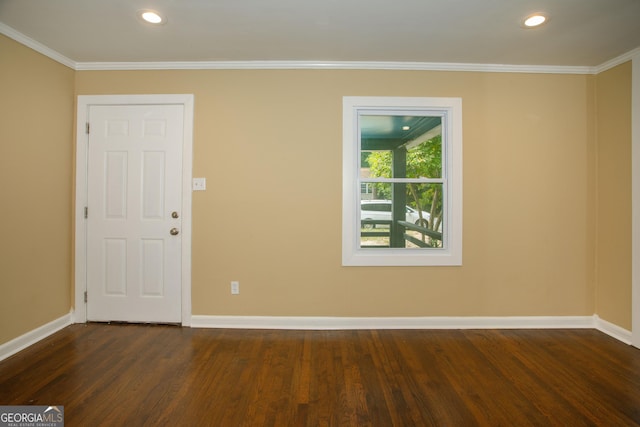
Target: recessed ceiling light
x: 406, y: 127
x: 151, y: 16
x: 534, y: 20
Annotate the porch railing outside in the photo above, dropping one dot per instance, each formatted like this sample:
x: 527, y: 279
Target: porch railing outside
x: 400, y: 227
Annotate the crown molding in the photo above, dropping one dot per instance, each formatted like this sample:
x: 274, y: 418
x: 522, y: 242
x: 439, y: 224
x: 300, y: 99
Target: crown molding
x: 332, y: 65
x: 37, y: 46
x: 616, y: 61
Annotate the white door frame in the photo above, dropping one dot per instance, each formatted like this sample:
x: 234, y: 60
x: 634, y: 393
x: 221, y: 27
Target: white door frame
x: 86, y: 101
x: 635, y: 200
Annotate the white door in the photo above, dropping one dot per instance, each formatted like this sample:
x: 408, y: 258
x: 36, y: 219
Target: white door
x: 134, y: 197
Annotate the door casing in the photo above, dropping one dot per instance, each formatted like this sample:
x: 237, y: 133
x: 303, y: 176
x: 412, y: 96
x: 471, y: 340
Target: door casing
x: 80, y: 256
x: 635, y: 200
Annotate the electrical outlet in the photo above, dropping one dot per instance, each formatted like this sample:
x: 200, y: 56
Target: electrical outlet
x: 235, y: 288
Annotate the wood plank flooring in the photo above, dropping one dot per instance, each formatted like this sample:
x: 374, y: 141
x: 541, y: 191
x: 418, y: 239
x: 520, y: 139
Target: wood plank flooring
x: 143, y: 375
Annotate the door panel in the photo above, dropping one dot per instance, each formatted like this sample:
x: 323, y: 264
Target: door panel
x: 134, y: 176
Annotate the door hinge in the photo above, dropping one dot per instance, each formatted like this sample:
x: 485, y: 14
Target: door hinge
x: 85, y: 296
x: 86, y: 212
x: 88, y: 128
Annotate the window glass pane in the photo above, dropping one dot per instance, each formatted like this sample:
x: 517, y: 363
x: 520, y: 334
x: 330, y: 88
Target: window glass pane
x: 400, y: 146
x: 426, y: 198
x: 420, y: 205
x: 425, y: 202
x: 424, y: 160
x: 366, y: 191
x: 375, y: 238
x: 376, y: 212
x: 376, y: 164
x: 376, y: 217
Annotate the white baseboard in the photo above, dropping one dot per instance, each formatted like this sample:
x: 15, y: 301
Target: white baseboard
x: 349, y: 323
x: 334, y: 323
x: 20, y: 343
x: 612, y: 330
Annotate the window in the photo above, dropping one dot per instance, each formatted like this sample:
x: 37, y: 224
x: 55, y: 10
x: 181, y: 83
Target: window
x: 366, y: 190
x: 402, y: 181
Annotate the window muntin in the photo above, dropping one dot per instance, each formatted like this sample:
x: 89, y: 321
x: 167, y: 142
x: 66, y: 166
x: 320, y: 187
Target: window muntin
x: 407, y: 153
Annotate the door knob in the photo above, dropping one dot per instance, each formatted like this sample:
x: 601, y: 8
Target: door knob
x: 174, y: 214
x: 174, y: 231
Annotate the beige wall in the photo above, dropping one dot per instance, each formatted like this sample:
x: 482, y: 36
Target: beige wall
x: 36, y: 149
x: 613, y: 100
x: 269, y: 144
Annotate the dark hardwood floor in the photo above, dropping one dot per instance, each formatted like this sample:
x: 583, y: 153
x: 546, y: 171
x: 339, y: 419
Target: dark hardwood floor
x: 142, y: 375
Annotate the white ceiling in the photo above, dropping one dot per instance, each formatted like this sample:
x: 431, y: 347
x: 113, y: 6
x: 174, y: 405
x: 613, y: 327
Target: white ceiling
x: 583, y: 33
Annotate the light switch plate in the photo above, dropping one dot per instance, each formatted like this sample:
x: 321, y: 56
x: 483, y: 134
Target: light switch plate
x: 199, y: 184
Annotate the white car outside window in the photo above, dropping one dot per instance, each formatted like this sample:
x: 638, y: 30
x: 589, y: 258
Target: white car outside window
x: 380, y: 210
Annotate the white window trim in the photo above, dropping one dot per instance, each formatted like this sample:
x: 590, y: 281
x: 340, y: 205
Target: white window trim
x: 451, y: 254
